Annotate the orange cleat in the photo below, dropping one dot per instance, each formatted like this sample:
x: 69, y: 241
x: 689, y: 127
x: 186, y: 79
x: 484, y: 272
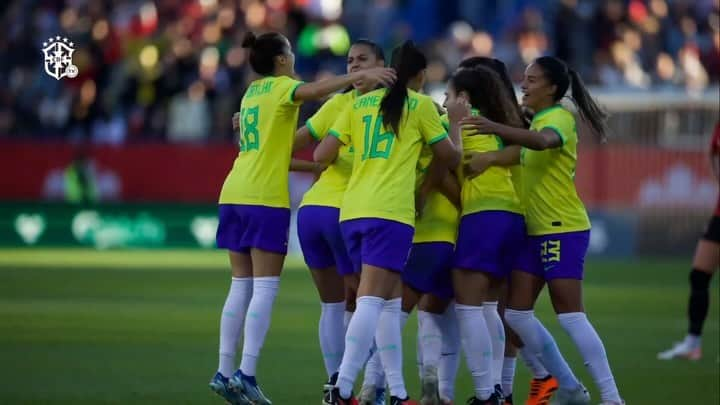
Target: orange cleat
x: 541, y: 390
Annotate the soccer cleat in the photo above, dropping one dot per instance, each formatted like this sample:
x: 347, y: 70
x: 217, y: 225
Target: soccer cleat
x: 328, y: 387
x: 508, y: 400
x: 247, y: 386
x: 493, y: 400
x: 541, y: 390
x: 681, y: 350
x: 499, y: 392
x: 578, y: 396
x: 221, y: 386
x: 430, y: 388
x: 398, y: 401
x: 336, y: 399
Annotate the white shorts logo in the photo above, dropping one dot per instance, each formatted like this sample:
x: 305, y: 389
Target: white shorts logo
x: 58, y: 58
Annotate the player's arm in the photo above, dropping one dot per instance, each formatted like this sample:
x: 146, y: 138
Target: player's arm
x: 321, y: 88
x: 303, y: 139
x: 439, y: 178
x: 327, y: 151
x: 477, y: 163
x: 547, y: 138
x: 306, y: 166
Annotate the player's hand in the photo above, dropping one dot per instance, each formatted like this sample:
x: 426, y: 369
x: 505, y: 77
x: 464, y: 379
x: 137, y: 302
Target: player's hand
x: 383, y: 76
x: 479, y: 125
x: 476, y: 163
x: 458, y: 109
x: 236, y: 122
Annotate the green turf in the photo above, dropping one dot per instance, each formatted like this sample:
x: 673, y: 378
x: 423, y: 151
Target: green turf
x: 78, y: 328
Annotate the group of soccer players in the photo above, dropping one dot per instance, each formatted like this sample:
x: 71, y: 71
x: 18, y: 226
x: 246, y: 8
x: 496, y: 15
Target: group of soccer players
x: 465, y: 214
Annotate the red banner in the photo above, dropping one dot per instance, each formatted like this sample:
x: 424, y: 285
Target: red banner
x: 612, y: 176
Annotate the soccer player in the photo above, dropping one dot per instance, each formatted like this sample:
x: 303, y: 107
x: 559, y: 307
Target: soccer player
x: 386, y: 128
x: 557, y: 223
x: 705, y: 264
x: 542, y: 385
x: 254, y: 209
x: 490, y: 229
x: 318, y: 217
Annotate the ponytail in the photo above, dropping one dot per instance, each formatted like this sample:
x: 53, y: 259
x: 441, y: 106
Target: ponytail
x: 589, y: 110
x: 559, y: 74
x: 499, y: 67
x: 407, y: 61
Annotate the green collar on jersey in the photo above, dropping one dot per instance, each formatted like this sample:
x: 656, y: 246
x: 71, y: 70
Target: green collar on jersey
x: 546, y: 110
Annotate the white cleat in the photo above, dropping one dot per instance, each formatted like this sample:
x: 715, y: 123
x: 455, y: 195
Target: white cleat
x: 681, y: 350
x: 578, y: 396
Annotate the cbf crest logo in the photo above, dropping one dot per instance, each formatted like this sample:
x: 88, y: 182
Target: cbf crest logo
x: 58, y: 58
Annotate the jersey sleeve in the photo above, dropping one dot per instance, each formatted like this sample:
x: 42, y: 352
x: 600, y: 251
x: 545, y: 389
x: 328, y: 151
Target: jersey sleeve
x: 562, y: 122
x: 429, y: 124
x: 445, y: 121
x: 341, y: 128
x: 322, y: 120
x: 285, y: 90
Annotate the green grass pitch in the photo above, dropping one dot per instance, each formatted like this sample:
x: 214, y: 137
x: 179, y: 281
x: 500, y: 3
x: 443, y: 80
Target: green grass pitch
x: 141, y: 327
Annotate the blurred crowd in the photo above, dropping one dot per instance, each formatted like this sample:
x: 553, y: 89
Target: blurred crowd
x: 173, y: 70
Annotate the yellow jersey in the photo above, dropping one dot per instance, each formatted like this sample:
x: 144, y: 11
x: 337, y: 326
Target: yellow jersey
x: 440, y: 218
x: 382, y: 184
x: 269, y: 114
x: 493, y: 190
x: 548, y: 178
x: 328, y: 190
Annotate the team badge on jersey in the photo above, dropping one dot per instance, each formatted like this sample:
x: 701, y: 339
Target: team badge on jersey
x: 58, y: 53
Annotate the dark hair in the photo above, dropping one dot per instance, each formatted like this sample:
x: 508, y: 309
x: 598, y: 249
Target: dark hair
x: 488, y: 94
x: 375, y: 48
x: 263, y: 50
x: 499, y: 67
x: 559, y: 74
x: 408, y: 61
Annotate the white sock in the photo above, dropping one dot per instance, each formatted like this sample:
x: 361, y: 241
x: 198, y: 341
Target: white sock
x: 374, y: 374
x: 346, y: 321
x: 389, y: 342
x: 693, y: 341
x: 358, y: 341
x: 497, y: 336
x: 477, y: 347
x: 541, y: 344
x: 450, y: 353
x: 231, y: 322
x: 508, y: 375
x: 258, y: 321
x: 592, y: 351
x: 332, y: 338
x: 429, y: 338
x: 533, y: 363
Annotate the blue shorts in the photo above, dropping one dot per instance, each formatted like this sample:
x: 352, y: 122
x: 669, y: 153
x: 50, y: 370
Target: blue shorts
x: 321, y: 239
x: 242, y: 227
x: 489, y: 241
x: 378, y: 242
x: 429, y: 268
x: 558, y: 255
